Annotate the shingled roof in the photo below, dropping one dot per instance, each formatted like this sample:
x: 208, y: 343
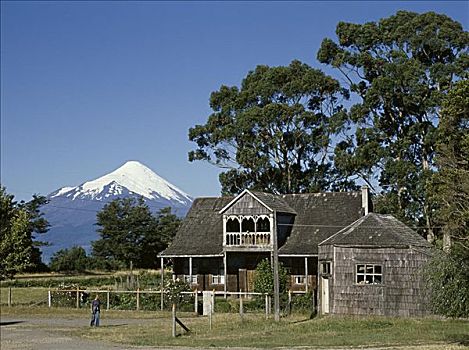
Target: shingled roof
x: 319, y: 215
x: 377, y: 230
x: 201, y: 232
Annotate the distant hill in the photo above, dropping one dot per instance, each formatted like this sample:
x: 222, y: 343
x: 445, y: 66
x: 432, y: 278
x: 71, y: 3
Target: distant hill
x: 71, y: 211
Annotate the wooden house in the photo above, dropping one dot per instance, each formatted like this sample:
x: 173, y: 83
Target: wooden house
x: 373, y: 267
x: 221, y: 240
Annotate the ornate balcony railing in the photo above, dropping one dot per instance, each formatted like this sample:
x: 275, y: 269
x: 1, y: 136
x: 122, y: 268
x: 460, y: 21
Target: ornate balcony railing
x: 248, y: 239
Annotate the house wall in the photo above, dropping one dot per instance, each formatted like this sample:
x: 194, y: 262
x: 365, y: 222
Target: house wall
x: 247, y: 205
x: 240, y: 271
x: 401, y: 293
x: 296, y: 266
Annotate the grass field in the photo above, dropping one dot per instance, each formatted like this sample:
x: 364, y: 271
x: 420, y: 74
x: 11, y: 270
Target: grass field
x: 24, y: 296
x: 254, y: 331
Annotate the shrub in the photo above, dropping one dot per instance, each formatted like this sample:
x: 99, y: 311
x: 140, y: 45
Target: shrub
x: 447, y: 277
x: 264, y: 278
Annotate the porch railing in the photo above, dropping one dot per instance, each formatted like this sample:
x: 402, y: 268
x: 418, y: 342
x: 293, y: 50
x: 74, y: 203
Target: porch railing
x: 248, y: 239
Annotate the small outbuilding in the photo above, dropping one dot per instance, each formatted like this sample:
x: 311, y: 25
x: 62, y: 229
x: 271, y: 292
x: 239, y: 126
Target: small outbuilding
x: 373, y: 267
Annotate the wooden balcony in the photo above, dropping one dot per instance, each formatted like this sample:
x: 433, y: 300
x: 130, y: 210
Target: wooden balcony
x: 251, y: 240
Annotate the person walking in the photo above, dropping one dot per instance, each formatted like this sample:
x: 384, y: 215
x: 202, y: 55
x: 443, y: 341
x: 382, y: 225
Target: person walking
x: 95, y: 310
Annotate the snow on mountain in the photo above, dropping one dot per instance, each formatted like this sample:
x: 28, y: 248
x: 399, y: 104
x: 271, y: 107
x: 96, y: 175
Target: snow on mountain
x: 72, y: 210
x: 135, y: 177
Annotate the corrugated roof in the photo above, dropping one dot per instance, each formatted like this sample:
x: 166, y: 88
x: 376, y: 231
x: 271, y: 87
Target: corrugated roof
x: 377, y: 230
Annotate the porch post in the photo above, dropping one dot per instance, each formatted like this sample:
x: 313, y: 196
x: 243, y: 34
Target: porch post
x: 224, y: 273
x: 224, y: 230
x: 275, y: 268
x: 190, y: 271
x: 162, y: 285
x: 306, y: 273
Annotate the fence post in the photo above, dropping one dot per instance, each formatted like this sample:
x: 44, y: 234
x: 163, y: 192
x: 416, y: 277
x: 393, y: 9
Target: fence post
x: 107, y: 300
x: 174, y: 321
x: 266, y: 306
x: 289, y: 302
x: 210, y: 317
x: 138, y: 299
x: 161, y: 299
x: 213, y: 301
x: 241, y: 310
x: 49, y: 298
x: 9, y: 296
x: 196, y: 302
x: 78, y: 297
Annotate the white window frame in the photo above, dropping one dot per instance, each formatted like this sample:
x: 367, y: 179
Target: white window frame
x: 299, y: 279
x: 218, y: 279
x: 187, y: 279
x: 376, y: 274
x: 326, y: 268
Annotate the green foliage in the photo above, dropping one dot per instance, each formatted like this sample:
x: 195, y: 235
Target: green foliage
x: 302, y: 303
x: 451, y: 183
x: 131, y: 234
x: 67, y: 260
x: 400, y: 69
x: 19, y: 222
x: 448, y: 279
x: 173, y: 292
x: 264, y: 278
x: 448, y: 274
x: 273, y: 132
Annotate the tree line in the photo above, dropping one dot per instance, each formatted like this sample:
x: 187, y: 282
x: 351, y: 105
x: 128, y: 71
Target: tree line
x: 130, y: 235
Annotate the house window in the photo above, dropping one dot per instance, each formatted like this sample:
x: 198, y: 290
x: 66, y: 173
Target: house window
x: 369, y: 274
x: 190, y: 279
x: 299, y: 279
x: 218, y: 279
x: 326, y: 268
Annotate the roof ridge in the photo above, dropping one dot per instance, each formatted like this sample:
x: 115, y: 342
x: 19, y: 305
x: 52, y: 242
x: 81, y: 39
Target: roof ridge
x: 346, y: 230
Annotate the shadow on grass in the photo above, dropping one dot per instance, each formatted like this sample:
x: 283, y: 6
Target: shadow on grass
x: 113, y: 325
x: 461, y: 339
x: 302, y: 321
x: 8, y: 323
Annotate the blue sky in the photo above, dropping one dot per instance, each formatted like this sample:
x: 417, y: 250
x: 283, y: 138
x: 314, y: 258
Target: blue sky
x: 86, y: 86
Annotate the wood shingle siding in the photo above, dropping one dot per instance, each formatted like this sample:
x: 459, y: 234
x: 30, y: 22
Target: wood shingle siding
x: 401, y: 254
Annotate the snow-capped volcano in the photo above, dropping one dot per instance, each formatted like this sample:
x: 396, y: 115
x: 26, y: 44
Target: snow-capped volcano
x: 132, y: 177
x: 71, y: 211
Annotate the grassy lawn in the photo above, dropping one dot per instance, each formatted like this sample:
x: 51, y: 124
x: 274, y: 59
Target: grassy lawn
x: 24, y: 296
x: 254, y: 331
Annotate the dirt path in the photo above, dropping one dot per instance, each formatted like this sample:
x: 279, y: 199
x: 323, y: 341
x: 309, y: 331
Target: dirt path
x: 47, y: 334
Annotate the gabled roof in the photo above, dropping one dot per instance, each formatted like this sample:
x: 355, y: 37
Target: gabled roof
x: 270, y: 201
x: 201, y: 232
x: 316, y: 216
x: 377, y: 230
x: 319, y: 215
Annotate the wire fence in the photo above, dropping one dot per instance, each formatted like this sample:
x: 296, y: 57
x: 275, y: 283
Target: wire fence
x: 155, y: 300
